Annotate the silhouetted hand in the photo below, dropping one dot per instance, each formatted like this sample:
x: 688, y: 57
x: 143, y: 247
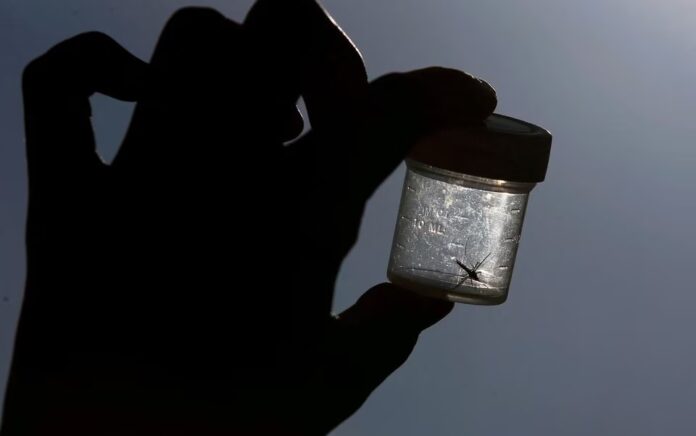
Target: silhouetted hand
x: 187, y: 287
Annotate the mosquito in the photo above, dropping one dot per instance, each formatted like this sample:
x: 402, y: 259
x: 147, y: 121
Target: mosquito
x: 472, y: 273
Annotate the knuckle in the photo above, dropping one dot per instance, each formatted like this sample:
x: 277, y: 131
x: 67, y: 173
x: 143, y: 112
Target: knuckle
x: 33, y: 71
x: 92, y: 37
x: 58, y: 60
x: 390, y: 77
x: 192, y: 17
x: 84, y: 44
x: 390, y: 81
x: 37, y: 74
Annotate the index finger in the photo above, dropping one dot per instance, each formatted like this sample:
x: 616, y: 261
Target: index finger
x: 61, y: 152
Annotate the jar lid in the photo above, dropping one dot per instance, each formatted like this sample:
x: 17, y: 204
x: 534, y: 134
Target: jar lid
x: 501, y: 148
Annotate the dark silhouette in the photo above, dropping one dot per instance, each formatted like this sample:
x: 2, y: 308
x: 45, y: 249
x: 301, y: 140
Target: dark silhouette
x: 186, y: 288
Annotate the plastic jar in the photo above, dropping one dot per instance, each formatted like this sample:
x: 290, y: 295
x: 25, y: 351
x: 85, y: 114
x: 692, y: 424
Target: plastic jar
x: 462, y: 208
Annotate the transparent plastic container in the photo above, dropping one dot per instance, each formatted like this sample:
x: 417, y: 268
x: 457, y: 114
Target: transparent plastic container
x: 462, y: 208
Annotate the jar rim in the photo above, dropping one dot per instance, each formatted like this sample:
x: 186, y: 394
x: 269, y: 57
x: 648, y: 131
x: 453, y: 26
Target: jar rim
x: 468, y: 180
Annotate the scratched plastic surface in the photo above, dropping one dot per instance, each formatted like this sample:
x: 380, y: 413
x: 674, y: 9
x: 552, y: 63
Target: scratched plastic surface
x: 455, y: 239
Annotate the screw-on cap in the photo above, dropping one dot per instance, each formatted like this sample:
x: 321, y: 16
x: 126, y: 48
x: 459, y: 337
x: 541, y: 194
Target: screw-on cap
x: 501, y: 148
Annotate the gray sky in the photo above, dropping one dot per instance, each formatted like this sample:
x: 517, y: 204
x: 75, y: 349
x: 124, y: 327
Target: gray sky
x: 597, y: 335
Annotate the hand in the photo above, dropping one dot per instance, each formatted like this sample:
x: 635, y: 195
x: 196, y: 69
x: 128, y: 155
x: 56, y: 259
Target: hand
x: 187, y: 287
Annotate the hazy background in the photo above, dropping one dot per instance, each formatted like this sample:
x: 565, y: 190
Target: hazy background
x: 597, y: 337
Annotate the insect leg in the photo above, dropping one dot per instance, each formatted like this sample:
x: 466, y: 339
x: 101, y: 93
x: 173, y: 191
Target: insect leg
x: 461, y: 282
x: 481, y: 263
